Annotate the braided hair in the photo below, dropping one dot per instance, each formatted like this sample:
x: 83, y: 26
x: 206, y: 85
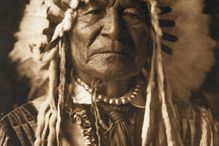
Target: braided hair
x: 157, y: 78
x: 49, y: 117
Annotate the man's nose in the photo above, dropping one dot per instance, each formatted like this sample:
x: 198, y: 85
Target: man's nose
x: 111, y: 23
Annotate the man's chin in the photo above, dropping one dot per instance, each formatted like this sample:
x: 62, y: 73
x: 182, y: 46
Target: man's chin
x: 111, y: 67
x: 115, y: 72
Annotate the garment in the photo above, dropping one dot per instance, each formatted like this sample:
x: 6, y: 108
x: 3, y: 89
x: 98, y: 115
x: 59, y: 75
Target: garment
x: 17, y: 128
x: 196, y: 124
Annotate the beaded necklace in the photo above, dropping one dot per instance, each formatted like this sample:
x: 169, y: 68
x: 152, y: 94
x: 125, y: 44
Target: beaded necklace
x: 128, y: 97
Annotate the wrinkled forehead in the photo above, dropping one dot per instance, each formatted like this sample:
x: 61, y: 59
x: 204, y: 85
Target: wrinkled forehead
x: 115, y: 3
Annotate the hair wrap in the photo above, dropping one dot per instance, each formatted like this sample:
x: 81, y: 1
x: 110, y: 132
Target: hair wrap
x: 49, y: 117
x: 167, y: 109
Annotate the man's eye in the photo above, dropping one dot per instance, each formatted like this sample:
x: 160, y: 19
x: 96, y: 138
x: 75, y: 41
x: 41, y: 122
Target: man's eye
x: 132, y: 14
x: 94, y: 12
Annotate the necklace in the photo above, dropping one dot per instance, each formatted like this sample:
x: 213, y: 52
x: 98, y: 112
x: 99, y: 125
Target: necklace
x: 128, y: 97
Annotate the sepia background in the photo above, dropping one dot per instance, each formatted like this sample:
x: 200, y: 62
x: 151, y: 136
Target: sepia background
x: 14, y: 89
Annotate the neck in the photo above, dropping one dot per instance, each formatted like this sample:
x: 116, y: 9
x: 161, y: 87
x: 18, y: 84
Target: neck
x: 110, y: 88
x: 117, y: 88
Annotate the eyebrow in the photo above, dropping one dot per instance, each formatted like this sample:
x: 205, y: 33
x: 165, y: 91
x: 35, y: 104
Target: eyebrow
x: 133, y: 3
x: 108, y: 3
x: 93, y: 3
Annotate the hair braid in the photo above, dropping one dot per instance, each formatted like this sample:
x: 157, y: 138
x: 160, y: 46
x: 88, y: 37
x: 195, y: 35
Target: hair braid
x: 168, y: 111
x: 148, y: 114
x: 49, y: 117
x: 61, y: 87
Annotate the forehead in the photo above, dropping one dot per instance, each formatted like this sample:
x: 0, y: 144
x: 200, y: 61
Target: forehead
x: 123, y: 3
x: 114, y: 3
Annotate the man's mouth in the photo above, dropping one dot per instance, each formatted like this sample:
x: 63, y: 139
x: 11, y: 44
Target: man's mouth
x: 110, y: 52
x: 109, y: 47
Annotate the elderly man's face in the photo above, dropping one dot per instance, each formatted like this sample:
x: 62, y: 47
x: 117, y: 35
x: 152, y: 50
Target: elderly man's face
x: 110, y: 39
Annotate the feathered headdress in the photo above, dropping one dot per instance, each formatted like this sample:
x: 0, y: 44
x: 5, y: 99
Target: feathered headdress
x: 183, y: 54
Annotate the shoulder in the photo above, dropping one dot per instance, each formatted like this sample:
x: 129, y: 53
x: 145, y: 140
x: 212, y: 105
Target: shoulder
x: 4, y: 137
x: 18, y: 126
x: 28, y: 112
x: 22, y: 114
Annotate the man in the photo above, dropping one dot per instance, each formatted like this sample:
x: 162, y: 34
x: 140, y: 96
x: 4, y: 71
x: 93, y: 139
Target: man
x: 107, y: 84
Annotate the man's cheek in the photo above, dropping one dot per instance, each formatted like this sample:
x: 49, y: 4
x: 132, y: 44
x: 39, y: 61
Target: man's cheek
x: 81, y: 33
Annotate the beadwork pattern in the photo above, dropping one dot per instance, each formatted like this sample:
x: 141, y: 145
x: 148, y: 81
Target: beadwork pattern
x: 128, y: 97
